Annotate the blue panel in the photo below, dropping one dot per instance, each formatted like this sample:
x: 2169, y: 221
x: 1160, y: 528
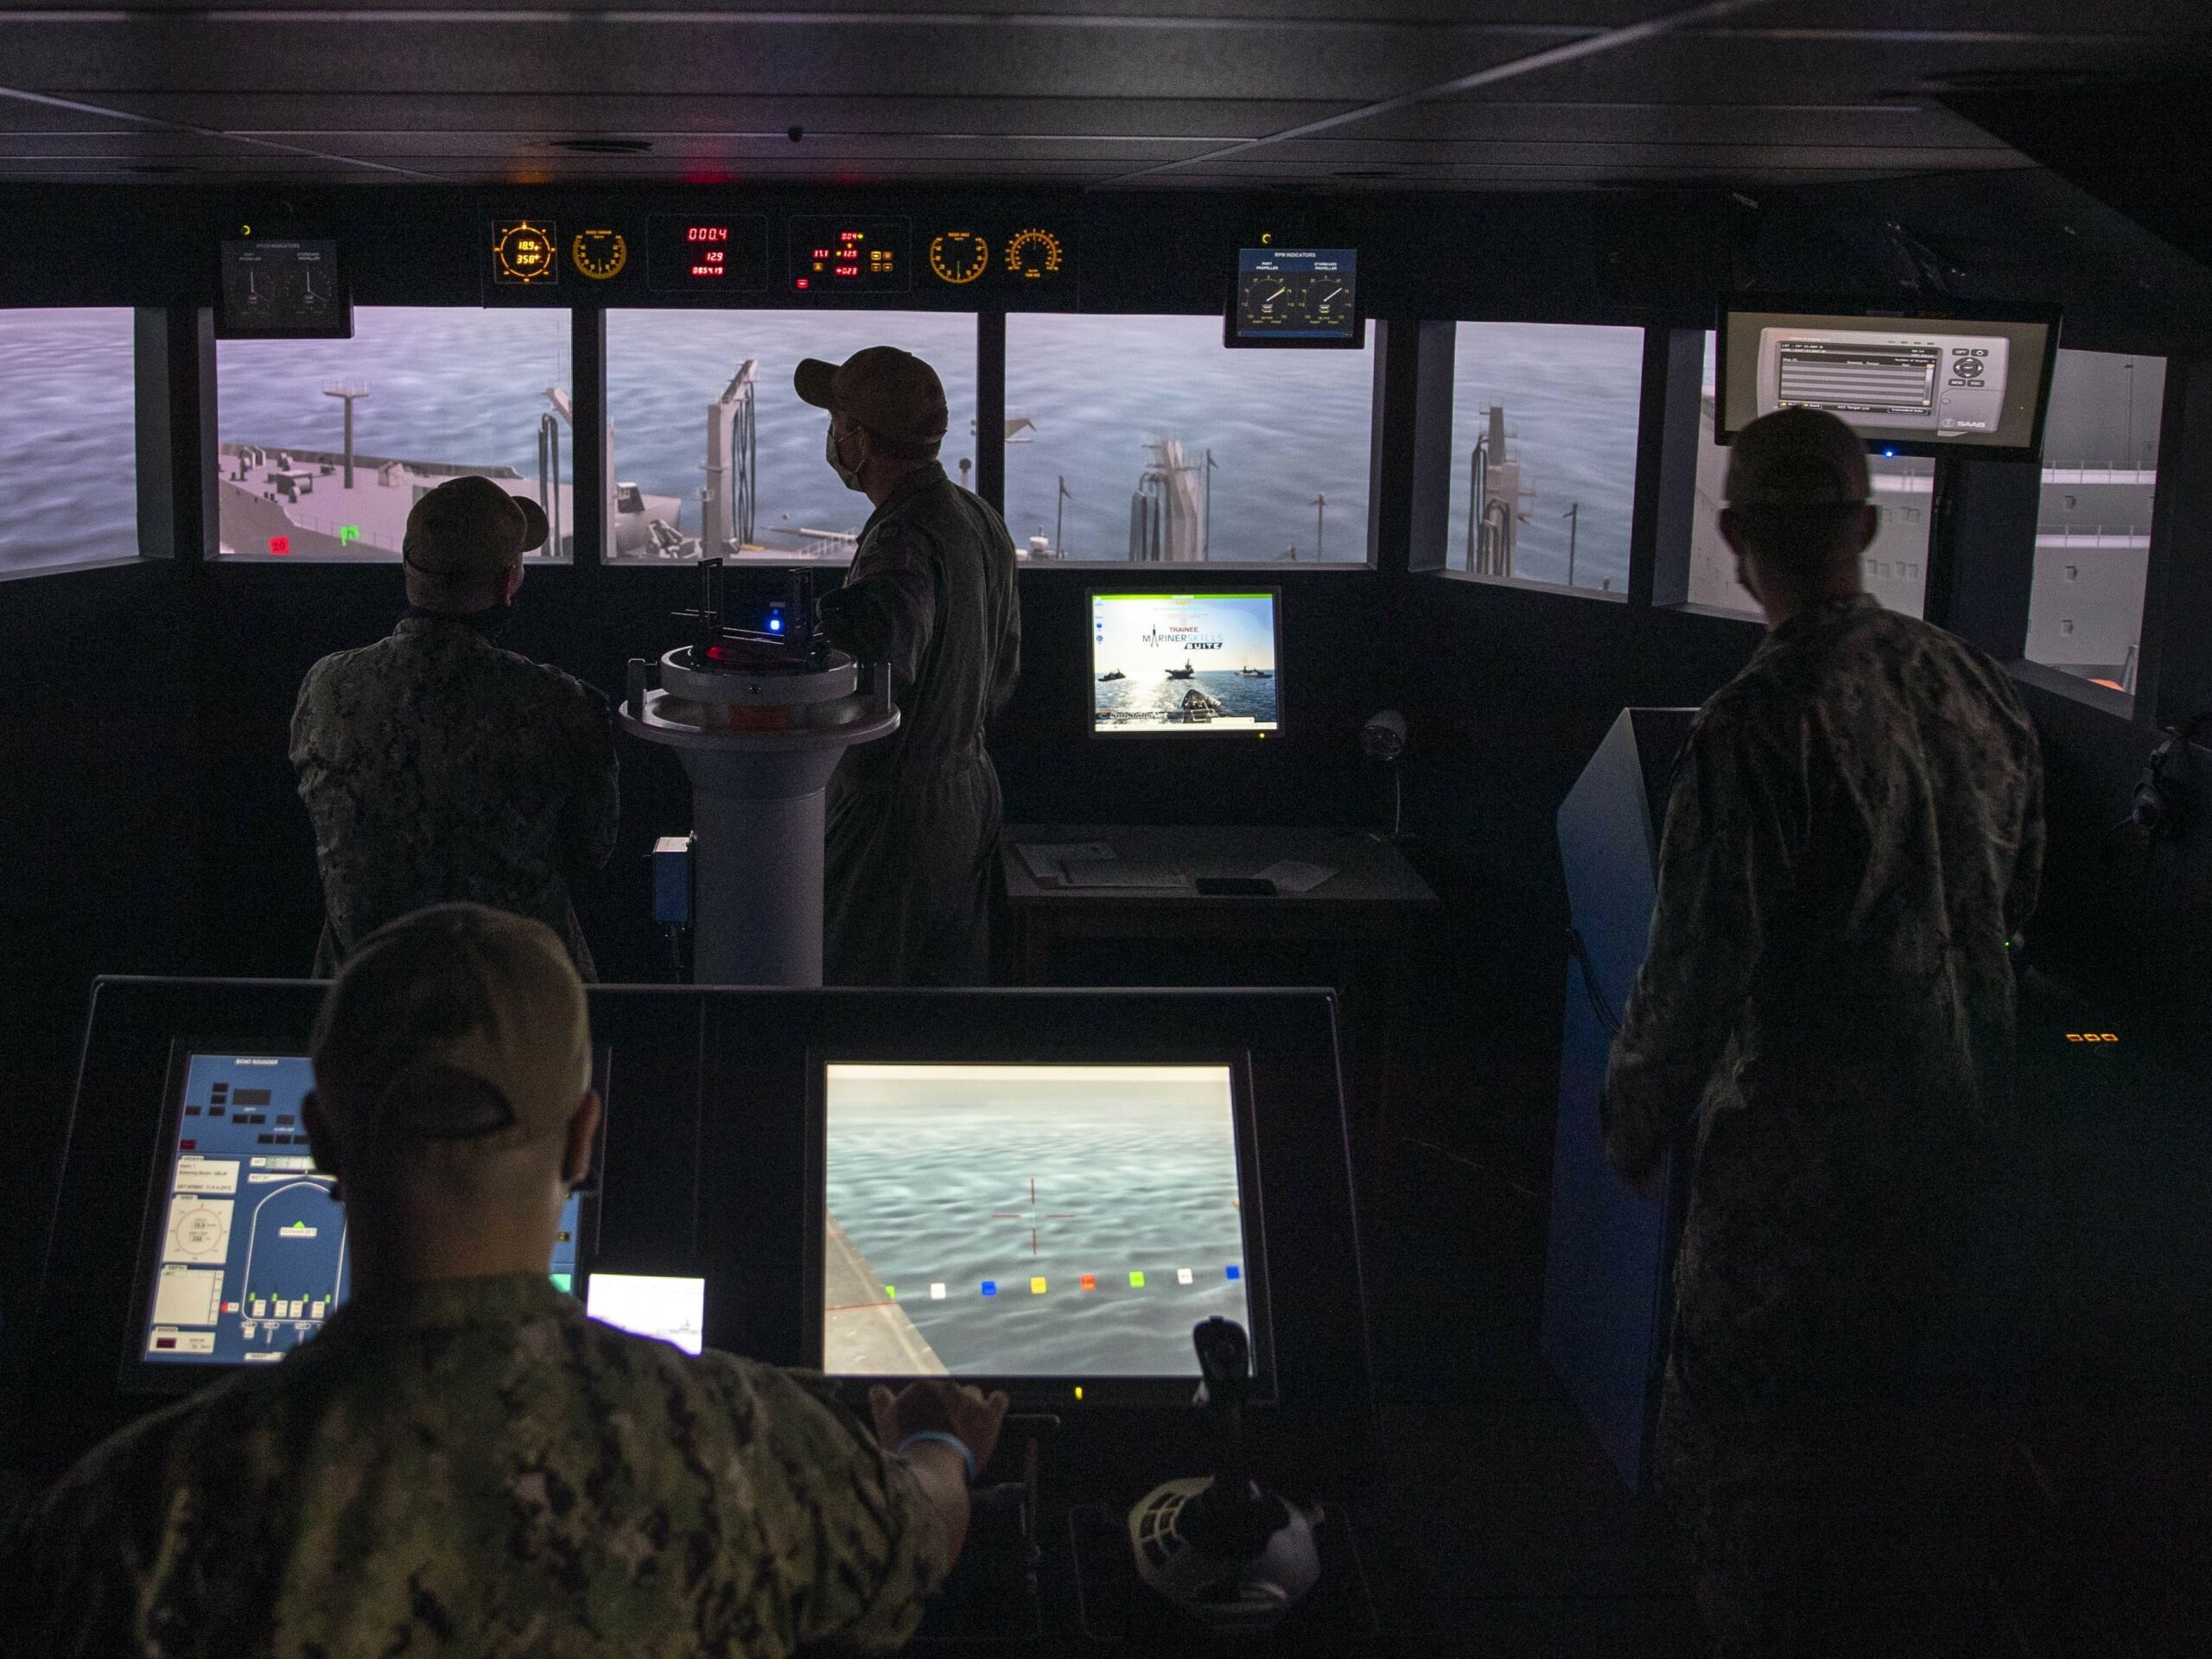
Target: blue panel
x: 673, y: 879
x: 1606, y: 1266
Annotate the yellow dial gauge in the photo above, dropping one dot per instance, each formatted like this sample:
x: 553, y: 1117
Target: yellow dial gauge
x: 523, y: 252
x: 1033, y: 253
x: 599, y: 254
x: 959, y: 256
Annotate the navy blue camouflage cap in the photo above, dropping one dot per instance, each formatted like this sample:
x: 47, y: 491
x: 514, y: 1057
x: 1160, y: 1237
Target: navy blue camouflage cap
x: 885, y: 390
x: 456, y: 1023
x: 469, y: 529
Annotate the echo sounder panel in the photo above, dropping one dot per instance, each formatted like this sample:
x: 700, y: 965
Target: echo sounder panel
x: 1910, y: 379
x: 1908, y: 384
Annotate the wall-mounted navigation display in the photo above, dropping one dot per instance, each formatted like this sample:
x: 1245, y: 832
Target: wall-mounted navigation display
x: 525, y: 253
x: 274, y: 288
x: 1910, y: 386
x: 859, y: 255
x: 1296, y: 297
x: 247, y: 1254
x: 707, y: 253
x: 1185, y: 663
x: 1031, y: 1221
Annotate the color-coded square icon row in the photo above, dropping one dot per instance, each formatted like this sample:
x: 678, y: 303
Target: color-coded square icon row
x: 1039, y: 1287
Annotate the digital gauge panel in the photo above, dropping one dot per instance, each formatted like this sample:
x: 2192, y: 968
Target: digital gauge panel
x: 859, y: 255
x: 525, y: 253
x: 707, y: 253
x: 1000, y: 257
x: 283, y: 290
x: 1296, y: 297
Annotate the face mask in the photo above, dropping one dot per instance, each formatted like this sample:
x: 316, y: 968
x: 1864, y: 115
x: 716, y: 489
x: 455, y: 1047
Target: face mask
x: 848, y: 476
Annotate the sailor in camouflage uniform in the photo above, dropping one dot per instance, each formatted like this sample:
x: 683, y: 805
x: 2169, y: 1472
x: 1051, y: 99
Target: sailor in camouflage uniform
x: 462, y: 1463
x: 1852, y: 844
x: 912, y: 859
x: 437, y: 766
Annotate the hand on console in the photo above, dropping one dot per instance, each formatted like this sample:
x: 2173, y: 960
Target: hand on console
x: 935, y: 1407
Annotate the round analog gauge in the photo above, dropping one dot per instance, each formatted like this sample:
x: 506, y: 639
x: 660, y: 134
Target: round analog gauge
x: 959, y: 256
x: 1033, y: 253
x: 1329, y: 299
x: 599, y: 255
x: 523, y: 253
x: 1274, y: 298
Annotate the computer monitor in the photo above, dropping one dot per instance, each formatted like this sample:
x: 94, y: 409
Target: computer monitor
x: 245, y: 1251
x: 1040, y: 1227
x: 1908, y: 385
x: 1185, y: 664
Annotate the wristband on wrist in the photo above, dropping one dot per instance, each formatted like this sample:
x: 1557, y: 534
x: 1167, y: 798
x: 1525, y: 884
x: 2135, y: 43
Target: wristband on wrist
x: 942, y: 1437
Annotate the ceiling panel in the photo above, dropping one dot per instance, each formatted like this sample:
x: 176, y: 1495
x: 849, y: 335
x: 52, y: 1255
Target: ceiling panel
x: 1168, y: 93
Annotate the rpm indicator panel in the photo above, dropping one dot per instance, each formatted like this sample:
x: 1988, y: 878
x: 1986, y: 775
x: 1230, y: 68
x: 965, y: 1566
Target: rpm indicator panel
x: 1295, y: 296
x: 283, y: 289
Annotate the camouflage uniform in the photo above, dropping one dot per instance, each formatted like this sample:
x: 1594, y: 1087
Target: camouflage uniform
x: 913, y: 827
x: 437, y: 766
x: 1854, y: 835
x: 475, y: 1468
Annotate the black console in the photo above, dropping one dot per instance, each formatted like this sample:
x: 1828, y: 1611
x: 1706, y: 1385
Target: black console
x: 1046, y: 1192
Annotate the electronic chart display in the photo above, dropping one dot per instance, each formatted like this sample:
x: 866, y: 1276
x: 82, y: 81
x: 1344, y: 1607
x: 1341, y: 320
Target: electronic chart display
x: 1185, y: 663
x: 249, y: 1253
x: 1296, y: 297
x: 1030, y: 1220
x: 1918, y: 385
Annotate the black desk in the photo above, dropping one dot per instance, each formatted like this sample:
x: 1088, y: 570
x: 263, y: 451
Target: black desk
x: 1374, y: 899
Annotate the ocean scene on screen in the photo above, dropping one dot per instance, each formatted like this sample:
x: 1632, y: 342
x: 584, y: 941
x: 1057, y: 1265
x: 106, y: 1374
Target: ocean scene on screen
x: 1183, y: 663
x: 1028, y: 1221
x: 1125, y: 437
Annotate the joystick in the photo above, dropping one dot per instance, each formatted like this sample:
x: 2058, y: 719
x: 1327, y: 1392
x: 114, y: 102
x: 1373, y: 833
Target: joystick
x: 1220, y: 1546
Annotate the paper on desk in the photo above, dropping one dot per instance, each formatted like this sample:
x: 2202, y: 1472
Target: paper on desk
x: 1291, y: 876
x: 1112, y: 873
x: 1046, y: 860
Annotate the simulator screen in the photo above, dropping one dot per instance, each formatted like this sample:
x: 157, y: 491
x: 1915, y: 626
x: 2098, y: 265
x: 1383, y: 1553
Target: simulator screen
x: 1028, y: 1221
x: 1894, y: 380
x: 250, y: 1255
x: 670, y: 1310
x: 1184, y: 663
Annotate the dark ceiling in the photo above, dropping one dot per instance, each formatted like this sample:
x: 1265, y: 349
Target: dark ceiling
x: 1174, y: 93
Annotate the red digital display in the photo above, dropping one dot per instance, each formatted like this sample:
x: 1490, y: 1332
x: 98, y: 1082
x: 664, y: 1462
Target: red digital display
x: 857, y: 254
x: 728, y: 254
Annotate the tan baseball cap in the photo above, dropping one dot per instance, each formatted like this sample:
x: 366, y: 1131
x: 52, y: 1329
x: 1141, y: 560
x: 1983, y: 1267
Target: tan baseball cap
x: 469, y: 529
x: 1797, y: 458
x: 459, y: 1023
x: 885, y: 390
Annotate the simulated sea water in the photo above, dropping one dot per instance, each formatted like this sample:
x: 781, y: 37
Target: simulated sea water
x: 1017, y: 1192
x: 1288, y: 432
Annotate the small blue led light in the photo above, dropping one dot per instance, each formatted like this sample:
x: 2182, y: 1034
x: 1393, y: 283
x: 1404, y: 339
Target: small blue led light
x: 990, y: 1286
x: 1236, y: 1272
x: 775, y: 624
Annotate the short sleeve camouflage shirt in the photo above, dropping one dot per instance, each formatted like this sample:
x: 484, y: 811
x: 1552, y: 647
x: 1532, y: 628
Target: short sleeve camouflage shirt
x: 476, y: 1468
x: 437, y: 766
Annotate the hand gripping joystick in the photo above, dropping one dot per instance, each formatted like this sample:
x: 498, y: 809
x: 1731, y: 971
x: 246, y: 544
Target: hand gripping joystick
x: 1234, y: 1554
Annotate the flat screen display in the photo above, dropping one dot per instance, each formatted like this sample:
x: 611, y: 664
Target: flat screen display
x: 1296, y: 297
x: 670, y: 1309
x: 283, y: 289
x: 1185, y: 665
x: 1029, y: 1221
x: 1920, y: 384
x: 249, y: 1249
